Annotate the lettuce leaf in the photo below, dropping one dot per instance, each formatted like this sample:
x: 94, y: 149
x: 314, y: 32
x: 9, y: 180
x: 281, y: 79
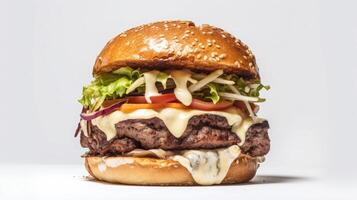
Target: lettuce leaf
x: 108, y: 86
x: 213, y: 93
x: 251, y: 88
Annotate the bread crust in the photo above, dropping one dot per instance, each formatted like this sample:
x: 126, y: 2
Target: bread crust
x: 177, y: 45
x: 155, y: 171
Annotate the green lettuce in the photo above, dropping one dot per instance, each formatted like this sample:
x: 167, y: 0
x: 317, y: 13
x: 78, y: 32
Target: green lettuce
x: 213, y: 93
x: 108, y: 86
x: 114, y: 85
x: 251, y: 88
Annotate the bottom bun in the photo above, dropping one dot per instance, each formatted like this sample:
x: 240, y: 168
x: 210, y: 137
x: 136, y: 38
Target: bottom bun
x: 154, y: 171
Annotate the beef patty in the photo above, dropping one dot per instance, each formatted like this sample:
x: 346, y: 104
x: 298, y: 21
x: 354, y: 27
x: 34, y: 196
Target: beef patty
x: 203, y: 132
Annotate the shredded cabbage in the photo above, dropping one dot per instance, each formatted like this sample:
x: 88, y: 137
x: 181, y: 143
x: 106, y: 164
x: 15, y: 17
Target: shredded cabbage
x: 116, y: 84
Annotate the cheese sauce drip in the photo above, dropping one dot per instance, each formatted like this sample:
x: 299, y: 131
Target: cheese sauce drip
x: 181, y: 92
x: 208, y: 167
x: 150, y: 87
x: 175, y: 119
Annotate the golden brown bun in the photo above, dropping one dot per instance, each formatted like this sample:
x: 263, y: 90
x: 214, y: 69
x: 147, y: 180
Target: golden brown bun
x: 177, y: 44
x: 154, y: 171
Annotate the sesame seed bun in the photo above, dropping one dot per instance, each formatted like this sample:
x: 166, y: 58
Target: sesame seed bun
x: 177, y: 44
x: 154, y: 171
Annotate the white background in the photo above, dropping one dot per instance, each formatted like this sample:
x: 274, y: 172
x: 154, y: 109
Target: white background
x: 306, y: 51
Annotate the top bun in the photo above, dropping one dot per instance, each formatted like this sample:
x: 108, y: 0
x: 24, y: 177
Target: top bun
x: 177, y: 44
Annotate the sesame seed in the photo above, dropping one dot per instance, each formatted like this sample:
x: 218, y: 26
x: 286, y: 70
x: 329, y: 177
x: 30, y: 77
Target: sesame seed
x: 203, y: 33
x: 193, y: 43
x: 175, y: 37
x: 161, y: 35
x: 214, y: 54
x: 192, y: 33
x: 196, y: 39
x: 210, y: 32
x: 199, y: 56
x: 250, y: 64
x: 205, y: 57
x: 178, y: 26
x: 237, y: 63
x: 187, y: 31
x: 209, y: 44
x: 176, y: 40
x: 223, y: 36
x: 214, y: 41
x: 218, y: 47
x: 245, y: 57
x: 222, y: 56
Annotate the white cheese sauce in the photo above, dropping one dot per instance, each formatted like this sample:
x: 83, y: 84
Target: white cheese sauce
x: 175, y: 119
x: 158, y: 153
x: 113, y: 162
x: 181, y: 91
x: 150, y: 87
x: 208, y: 167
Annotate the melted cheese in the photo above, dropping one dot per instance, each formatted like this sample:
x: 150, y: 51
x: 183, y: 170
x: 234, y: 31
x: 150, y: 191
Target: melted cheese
x: 208, y: 167
x: 241, y: 129
x: 181, y: 92
x: 175, y: 119
x: 158, y: 153
x: 114, y: 162
x: 150, y: 87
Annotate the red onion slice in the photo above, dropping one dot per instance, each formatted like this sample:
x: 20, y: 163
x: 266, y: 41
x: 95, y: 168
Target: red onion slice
x: 104, y: 111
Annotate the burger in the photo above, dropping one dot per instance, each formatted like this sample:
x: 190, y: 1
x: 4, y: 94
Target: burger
x: 173, y: 103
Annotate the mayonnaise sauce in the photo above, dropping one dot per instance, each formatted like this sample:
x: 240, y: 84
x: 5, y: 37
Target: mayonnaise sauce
x: 181, y: 91
x: 208, y: 167
x: 175, y: 119
x: 150, y: 87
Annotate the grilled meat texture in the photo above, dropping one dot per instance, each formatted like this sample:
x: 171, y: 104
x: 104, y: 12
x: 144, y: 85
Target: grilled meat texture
x: 203, y: 132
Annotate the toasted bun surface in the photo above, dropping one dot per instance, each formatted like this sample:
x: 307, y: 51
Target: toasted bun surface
x: 153, y: 171
x: 177, y: 44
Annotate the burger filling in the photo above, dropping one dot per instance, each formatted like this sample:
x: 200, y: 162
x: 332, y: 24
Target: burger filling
x: 202, y: 132
x: 200, y: 120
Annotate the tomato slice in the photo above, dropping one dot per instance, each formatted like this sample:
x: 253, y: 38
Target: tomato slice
x: 130, y: 107
x: 164, y: 98
x: 203, y: 105
x: 136, y: 99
